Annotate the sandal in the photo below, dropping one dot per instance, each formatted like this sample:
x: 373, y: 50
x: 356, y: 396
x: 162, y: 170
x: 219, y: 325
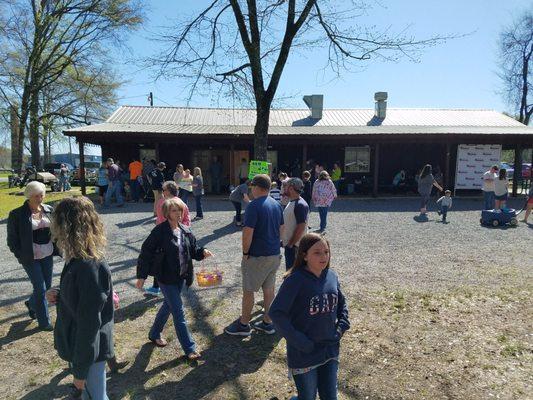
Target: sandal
x: 193, y: 356
x: 158, y: 342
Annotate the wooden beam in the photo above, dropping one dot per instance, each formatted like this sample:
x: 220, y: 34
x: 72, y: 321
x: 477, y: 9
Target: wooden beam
x: 82, y: 168
x: 304, y: 156
x: 376, y: 170
x: 447, y: 167
x: 517, y: 168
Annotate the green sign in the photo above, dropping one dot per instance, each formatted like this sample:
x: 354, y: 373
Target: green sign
x: 257, y: 167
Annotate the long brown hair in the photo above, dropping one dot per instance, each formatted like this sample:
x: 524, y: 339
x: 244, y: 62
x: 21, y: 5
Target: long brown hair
x: 78, y: 229
x: 308, y: 240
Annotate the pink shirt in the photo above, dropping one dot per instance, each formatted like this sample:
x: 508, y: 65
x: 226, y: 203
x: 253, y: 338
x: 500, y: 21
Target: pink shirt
x: 185, y: 218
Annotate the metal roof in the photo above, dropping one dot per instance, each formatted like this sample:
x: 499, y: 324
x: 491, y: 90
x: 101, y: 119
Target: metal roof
x: 177, y: 120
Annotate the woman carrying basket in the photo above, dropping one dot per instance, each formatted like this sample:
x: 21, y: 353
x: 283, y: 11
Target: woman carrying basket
x: 178, y: 247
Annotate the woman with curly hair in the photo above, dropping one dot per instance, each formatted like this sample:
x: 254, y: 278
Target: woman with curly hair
x: 83, y: 334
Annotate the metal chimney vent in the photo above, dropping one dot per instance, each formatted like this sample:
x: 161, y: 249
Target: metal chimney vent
x: 315, y: 103
x: 381, y: 104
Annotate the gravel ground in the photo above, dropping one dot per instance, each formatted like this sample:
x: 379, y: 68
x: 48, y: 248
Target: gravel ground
x: 378, y: 249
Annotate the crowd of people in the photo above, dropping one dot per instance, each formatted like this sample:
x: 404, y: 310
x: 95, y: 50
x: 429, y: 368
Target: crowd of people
x: 309, y: 309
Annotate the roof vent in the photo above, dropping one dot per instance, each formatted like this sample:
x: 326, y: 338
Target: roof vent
x: 315, y: 103
x: 381, y: 104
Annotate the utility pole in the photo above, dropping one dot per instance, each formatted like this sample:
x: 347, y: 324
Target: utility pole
x: 151, y: 99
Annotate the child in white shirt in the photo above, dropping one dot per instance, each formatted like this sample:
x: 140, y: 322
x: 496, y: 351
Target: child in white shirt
x: 445, y: 204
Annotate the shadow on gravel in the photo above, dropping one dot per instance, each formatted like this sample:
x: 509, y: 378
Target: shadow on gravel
x: 13, y: 300
x: 17, y: 331
x: 217, y: 234
x: 51, y: 390
x: 135, y: 310
x: 138, y: 222
x: 410, y: 205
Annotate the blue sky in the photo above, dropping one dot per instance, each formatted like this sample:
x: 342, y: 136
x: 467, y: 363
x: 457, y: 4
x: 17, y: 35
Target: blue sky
x: 460, y: 73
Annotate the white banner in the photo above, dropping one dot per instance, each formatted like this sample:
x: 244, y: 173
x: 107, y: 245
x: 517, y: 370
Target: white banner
x: 473, y: 160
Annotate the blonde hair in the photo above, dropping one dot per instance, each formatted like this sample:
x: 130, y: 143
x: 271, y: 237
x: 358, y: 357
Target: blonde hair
x: 197, y: 171
x: 33, y: 188
x: 78, y: 230
x: 169, y: 203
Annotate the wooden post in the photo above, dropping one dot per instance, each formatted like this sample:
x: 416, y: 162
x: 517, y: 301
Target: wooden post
x: 376, y: 170
x: 304, y: 157
x: 517, y: 168
x: 82, y: 168
x: 447, y: 167
x: 232, y: 176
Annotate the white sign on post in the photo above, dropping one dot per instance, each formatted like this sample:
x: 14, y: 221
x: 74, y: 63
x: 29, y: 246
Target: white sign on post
x: 473, y: 160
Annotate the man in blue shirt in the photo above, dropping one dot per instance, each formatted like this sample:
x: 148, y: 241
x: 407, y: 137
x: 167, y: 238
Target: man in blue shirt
x: 263, y: 223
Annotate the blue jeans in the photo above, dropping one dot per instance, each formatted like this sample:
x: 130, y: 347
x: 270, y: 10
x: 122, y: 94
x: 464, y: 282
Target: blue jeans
x: 40, y: 274
x: 184, y: 195
x: 323, y: 213
x: 322, y: 379
x: 290, y: 256
x: 488, y: 198
x: 173, y: 304
x: 135, y: 189
x: 95, y: 386
x: 114, y: 188
x: 199, y: 211
x: 63, y: 183
x: 238, y: 209
x: 444, y: 212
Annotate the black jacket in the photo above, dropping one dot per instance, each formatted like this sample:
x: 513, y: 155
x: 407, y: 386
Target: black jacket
x: 162, y: 238
x: 83, y: 332
x: 20, y: 233
x: 157, y: 179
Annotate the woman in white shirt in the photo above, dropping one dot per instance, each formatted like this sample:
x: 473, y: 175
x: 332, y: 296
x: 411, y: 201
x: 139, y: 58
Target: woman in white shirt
x: 501, y: 189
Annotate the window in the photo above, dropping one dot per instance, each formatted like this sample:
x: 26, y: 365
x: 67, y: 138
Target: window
x: 357, y: 159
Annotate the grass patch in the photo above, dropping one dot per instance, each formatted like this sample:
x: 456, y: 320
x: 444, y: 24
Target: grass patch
x: 11, y: 198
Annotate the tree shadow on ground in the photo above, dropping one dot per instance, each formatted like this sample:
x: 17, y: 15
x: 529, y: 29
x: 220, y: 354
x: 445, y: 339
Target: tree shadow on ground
x: 138, y: 222
x: 18, y: 331
x: 52, y: 390
x: 136, y: 309
x: 223, y: 362
x: 217, y: 234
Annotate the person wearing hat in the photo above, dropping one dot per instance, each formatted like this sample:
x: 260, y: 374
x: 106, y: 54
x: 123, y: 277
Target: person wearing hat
x: 295, y: 217
x: 324, y: 193
x: 263, y: 224
x: 158, y: 177
x: 114, y: 185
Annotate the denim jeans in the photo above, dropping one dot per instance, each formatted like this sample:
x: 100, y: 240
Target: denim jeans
x: 63, y: 183
x: 488, y: 198
x: 173, y: 304
x: 199, y: 211
x: 290, y: 256
x: 322, y: 379
x: 114, y: 188
x: 135, y: 189
x: 238, y: 208
x: 40, y: 274
x: 444, y: 212
x: 323, y: 213
x: 95, y: 386
x: 184, y: 195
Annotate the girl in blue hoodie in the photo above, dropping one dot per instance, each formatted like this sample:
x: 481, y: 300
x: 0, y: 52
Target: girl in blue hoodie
x: 310, y: 312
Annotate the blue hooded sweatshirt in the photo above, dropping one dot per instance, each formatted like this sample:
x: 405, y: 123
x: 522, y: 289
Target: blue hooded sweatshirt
x: 310, y: 313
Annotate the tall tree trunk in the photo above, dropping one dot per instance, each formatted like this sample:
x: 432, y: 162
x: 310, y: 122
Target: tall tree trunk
x: 18, y: 160
x: 261, y: 133
x: 14, y: 137
x: 44, y: 138
x: 34, y: 131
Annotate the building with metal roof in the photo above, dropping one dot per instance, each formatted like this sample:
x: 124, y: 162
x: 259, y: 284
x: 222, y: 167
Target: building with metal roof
x: 370, y: 145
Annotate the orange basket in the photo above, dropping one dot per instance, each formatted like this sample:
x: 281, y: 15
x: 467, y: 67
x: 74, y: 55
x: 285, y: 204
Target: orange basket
x: 207, y: 278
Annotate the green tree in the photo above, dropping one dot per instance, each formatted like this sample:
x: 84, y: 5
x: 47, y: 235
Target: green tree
x: 40, y: 40
x: 246, y: 45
